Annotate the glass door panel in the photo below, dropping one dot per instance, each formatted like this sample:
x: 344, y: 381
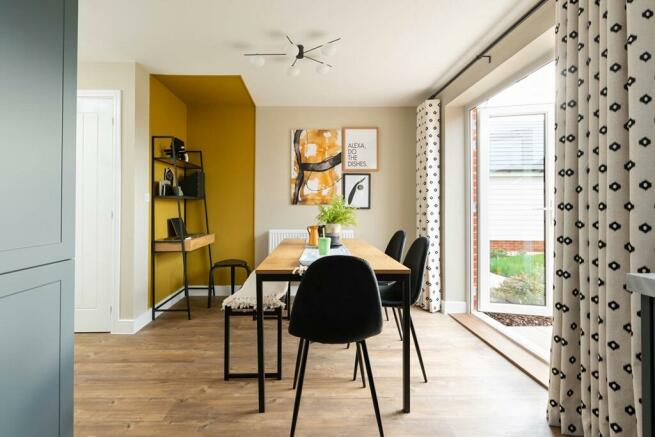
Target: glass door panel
x: 513, y: 208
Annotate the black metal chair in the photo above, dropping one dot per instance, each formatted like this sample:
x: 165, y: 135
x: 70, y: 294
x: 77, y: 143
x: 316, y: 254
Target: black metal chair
x: 232, y: 264
x: 338, y: 302
x: 395, y: 250
x: 391, y: 295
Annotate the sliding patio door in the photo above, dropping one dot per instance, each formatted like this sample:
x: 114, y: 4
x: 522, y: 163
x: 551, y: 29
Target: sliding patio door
x: 514, y: 208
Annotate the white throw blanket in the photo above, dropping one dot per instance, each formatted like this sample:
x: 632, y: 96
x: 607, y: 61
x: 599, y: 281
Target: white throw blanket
x: 246, y: 296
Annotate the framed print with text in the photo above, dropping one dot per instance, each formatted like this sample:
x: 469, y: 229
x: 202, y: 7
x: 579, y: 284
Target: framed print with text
x: 360, y: 149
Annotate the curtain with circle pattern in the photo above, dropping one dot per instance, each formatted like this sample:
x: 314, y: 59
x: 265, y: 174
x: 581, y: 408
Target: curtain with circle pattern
x: 605, y: 171
x: 428, y: 199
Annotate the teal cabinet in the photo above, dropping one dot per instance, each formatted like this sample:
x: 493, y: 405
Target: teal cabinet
x: 38, y: 64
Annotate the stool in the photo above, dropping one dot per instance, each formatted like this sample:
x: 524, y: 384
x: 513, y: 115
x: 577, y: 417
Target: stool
x: 232, y: 264
x: 244, y: 303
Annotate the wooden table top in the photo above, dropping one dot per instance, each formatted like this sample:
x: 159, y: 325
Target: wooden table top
x: 286, y: 255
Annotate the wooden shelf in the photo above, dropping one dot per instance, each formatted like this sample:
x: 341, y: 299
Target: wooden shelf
x: 190, y: 244
x: 179, y: 163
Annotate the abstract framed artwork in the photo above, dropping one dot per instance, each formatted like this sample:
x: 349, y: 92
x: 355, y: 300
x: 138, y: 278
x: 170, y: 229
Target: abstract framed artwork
x: 315, y: 166
x: 360, y: 149
x: 357, y: 190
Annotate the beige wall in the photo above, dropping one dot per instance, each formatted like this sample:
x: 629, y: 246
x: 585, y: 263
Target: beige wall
x: 392, y: 187
x: 131, y: 80
x: 528, y: 46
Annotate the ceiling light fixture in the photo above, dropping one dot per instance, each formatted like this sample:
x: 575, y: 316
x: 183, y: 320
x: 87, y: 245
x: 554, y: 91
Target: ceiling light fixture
x: 298, y: 53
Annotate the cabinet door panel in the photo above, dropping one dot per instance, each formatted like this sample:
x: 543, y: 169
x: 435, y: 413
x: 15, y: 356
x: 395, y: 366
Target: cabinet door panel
x: 37, y: 80
x: 36, y: 363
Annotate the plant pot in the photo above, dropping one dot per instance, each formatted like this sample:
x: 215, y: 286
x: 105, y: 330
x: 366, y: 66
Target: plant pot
x: 333, y: 230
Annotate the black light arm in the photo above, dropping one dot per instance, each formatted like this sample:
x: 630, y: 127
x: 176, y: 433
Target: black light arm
x: 316, y: 60
x: 324, y: 44
x: 264, y: 54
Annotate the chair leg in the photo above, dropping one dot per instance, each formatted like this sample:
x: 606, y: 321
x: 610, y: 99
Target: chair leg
x: 279, y: 343
x: 298, y: 359
x: 232, y: 280
x: 371, y: 384
x: 395, y: 317
x: 361, y: 365
x: 210, y: 287
x: 418, y: 350
x: 288, y: 301
x: 386, y: 313
x: 301, y: 378
x: 226, y: 351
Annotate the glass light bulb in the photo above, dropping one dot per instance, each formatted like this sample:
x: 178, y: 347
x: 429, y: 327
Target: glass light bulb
x: 293, y: 71
x: 322, y: 69
x: 257, y: 61
x: 329, y: 49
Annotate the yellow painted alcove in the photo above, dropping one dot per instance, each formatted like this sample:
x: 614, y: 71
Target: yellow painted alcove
x: 216, y: 115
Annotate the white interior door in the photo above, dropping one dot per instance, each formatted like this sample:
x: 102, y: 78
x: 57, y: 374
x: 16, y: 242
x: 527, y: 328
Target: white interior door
x: 97, y: 191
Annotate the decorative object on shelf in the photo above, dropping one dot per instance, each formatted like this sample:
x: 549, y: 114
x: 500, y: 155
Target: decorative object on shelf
x: 193, y: 185
x: 169, y: 176
x: 178, y: 146
x: 298, y: 53
x: 164, y: 188
x: 360, y: 149
x: 315, y: 166
x: 335, y: 215
x: 357, y: 190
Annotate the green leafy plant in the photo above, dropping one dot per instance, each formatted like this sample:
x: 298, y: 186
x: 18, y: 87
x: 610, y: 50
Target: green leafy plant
x: 336, y: 213
x: 522, y: 289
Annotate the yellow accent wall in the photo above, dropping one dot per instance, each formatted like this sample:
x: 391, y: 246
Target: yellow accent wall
x: 226, y: 136
x: 168, y: 116
x: 213, y: 114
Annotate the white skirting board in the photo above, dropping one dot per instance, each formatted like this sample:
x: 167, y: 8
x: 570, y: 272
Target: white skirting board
x: 132, y: 326
x: 454, y: 307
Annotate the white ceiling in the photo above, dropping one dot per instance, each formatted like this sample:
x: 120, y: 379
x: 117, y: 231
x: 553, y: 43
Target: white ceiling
x: 393, y: 53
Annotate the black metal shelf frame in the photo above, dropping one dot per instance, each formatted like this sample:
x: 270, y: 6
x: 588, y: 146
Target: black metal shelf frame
x: 181, y: 213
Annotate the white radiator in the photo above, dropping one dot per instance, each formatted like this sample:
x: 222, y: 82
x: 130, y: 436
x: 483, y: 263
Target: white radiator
x: 275, y: 236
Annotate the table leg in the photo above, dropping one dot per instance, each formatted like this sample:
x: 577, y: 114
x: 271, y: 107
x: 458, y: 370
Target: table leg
x: 260, y: 345
x: 406, y: 334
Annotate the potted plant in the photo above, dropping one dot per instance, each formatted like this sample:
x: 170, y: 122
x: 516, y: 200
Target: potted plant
x: 335, y: 215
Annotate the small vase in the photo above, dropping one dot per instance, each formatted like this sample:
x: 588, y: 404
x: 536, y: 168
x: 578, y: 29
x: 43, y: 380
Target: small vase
x: 333, y: 230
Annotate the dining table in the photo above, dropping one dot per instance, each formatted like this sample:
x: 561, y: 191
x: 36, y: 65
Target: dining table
x: 282, y: 264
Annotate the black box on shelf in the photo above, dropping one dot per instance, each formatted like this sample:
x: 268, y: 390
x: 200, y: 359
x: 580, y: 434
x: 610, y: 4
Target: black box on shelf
x: 194, y: 184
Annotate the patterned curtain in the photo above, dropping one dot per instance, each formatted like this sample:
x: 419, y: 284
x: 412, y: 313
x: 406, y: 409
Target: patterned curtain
x: 428, y: 178
x: 605, y: 165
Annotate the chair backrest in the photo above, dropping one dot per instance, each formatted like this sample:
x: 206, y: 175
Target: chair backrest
x: 396, y: 245
x: 338, y: 301
x: 415, y: 260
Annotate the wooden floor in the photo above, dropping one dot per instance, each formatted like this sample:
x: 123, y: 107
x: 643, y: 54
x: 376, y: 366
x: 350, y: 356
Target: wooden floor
x: 167, y: 380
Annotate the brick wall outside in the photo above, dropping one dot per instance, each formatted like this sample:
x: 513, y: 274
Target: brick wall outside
x: 518, y: 246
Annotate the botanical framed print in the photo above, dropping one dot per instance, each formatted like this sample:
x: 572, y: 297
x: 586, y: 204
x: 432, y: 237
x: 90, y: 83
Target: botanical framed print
x: 360, y: 149
x: 357, y: 190
x: 315, y: 166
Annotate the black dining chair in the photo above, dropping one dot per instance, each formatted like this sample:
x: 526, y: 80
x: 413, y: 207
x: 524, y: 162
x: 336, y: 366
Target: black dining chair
x: 391, y: 295
x: 338, y: 302
x: 395, y: 250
